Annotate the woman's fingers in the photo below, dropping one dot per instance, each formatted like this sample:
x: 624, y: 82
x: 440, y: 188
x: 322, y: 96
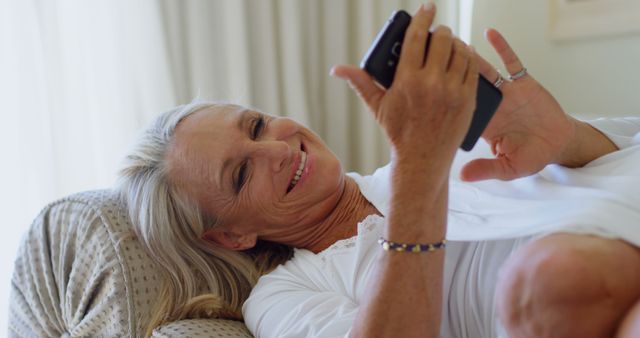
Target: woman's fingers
x: 362, y: 83
x: 440, y: 49
x: 487, y: 70
x: 415, y: 39
x: 459, y: 61
x: 473, y: 72
x: 509, y: 57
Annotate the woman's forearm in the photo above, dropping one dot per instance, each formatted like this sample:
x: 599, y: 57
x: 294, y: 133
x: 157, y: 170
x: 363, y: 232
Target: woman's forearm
x: 404, y: 296
x: 587, y: 145
x: 425, y: 115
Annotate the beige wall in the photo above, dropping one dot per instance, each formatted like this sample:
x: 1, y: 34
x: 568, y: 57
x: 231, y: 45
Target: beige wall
x: 599, y: 76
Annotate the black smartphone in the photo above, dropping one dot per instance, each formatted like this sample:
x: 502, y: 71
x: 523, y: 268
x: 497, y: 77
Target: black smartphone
x: 382, y: 59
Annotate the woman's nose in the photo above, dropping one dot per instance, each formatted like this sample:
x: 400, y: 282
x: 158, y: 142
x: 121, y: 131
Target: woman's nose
x: 275, y: 153
x: 274, y: 145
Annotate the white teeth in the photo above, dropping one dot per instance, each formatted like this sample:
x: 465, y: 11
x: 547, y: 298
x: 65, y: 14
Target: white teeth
x: 296, y: 178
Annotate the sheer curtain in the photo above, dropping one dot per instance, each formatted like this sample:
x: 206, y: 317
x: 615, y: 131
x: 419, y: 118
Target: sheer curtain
x: 79, y: 78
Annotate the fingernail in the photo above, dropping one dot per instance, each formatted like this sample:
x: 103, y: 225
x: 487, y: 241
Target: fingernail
x: 332, y: 71
x: 428, y: 6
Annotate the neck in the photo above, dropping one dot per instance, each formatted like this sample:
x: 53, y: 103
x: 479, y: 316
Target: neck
x: 342, y: 221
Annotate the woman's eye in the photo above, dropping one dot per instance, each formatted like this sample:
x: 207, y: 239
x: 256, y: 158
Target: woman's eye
x: 242, y: 176
x: 258, y: 126
x: 256, y: 130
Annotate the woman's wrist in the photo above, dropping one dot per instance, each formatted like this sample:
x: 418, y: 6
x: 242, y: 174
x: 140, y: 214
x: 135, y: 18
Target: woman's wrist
x: 586, y: 145
x: 422, y: 158
x: 419, y: 174
x: 418, y: 193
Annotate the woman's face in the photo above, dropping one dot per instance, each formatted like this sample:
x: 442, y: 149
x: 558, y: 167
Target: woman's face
x: 258, y: 174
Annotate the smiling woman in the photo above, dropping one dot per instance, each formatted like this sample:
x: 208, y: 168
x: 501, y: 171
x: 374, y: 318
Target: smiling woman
x: 260, y: 175
x: 78, y: 73
x: 170, y: 223
x: 208, y: 173
x: 220, y: 195
x: 211, y: 188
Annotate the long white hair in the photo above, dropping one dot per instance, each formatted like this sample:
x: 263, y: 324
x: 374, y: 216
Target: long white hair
x: 200, y: 279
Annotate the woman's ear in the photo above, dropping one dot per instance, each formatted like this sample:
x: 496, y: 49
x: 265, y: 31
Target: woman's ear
x: 229, y: 239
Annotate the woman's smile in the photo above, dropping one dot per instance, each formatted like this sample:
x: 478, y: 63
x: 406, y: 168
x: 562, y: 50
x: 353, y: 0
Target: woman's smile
x: 297, y: 168
x: 302, y: 170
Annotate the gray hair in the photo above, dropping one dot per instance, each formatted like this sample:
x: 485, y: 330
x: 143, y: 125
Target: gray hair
x: 200, y: 279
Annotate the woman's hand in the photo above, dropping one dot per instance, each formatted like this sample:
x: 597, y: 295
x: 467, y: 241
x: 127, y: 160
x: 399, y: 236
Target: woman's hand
x: 425, y: 114
x: 528, y: 131
x: 427, y: 110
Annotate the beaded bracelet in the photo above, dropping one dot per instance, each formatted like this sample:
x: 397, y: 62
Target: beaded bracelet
x: 403, y: 247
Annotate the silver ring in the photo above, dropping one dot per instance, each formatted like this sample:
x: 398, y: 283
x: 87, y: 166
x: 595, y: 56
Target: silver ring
x: 518, y: 75
x: 499, y: 81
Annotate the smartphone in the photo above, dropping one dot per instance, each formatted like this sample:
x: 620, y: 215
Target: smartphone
x: 382, y: 59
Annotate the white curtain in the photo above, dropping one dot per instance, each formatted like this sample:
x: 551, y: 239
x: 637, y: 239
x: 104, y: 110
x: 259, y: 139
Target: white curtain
x: 80, y: 77
x: 77, y: 79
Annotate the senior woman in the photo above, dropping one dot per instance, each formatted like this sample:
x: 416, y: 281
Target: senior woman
x: 221, y: 195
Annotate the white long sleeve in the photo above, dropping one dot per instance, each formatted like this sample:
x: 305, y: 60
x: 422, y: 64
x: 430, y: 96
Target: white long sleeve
x: 623, y: 131
x: 315, y: 295
x: 294, y: 301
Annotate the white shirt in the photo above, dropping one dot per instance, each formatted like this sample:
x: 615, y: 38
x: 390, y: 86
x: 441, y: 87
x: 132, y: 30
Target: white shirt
x: 317, y: 295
